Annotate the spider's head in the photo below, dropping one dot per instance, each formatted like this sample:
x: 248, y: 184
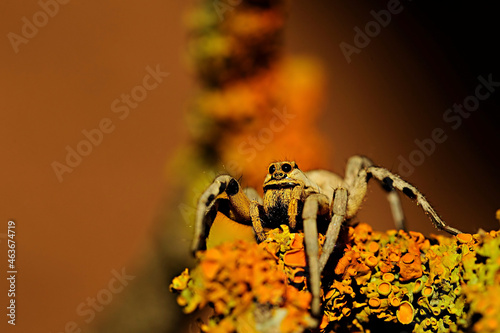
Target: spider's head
x: 282, y: 174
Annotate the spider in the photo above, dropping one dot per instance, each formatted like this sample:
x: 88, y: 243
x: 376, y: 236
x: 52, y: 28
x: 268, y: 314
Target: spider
x: 303, y: 200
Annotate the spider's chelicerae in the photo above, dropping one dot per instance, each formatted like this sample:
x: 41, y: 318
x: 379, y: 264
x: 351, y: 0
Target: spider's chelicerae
x: 303, y: 200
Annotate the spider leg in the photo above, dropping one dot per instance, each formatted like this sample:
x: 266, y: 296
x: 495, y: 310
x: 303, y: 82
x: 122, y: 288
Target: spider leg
x: 293, y: 207
x: 339, y: 208
x: 239, y: 202
x: 314, y: 205
x: 357, y: 185
x: 256, y: 220
x: 394, y: 181
x: 331, y: 185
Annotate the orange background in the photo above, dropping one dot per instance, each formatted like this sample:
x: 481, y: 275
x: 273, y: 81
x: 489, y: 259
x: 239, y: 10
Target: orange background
x: 101, y: 217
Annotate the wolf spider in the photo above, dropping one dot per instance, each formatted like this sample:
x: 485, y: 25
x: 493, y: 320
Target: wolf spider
x: 299, y: 199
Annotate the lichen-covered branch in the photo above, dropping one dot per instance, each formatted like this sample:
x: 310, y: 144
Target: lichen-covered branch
x: 391, y: 280
x: 254, y: 103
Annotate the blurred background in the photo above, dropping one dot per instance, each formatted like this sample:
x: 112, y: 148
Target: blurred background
x: 96, y: 244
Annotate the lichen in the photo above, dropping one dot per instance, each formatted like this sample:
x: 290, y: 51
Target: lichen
x: 246, y: 287
x: 374, y: 280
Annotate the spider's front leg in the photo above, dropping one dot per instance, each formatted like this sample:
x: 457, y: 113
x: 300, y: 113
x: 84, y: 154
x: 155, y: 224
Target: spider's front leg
x: 357, y: 185
x: 339, y: 212
x: 293, y: 206
x: 255, y: 216
x: 239, y: 207
x: 314, y: 205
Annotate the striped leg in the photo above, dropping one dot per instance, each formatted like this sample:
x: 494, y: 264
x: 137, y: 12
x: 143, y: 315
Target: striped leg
x: 358, y: 185
x: 393, y: 181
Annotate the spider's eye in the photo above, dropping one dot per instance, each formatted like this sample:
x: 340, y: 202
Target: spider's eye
x: 286, y: 167
x: 272, y: 168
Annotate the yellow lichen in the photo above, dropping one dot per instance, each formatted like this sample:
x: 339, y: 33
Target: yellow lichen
x: 239, y: 279
x: 437, y: 284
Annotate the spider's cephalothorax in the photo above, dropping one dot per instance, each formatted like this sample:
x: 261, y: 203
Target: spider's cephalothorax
x: 283, y: 183
x: 301, y: 199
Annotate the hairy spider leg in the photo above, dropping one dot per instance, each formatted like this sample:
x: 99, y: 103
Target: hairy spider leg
x: 255, y: 213
x: 411, y: 192
x: 357, y: 187
x: 240, y: 208
x: 338, y: 208
x: 314, y: 205
x: 293, y: 207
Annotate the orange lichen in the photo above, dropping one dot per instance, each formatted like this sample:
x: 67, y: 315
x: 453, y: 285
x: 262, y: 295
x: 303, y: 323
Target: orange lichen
x: 394, y: 301
x: 410, y: 267
x: 427, y: 291
x: 405, y: 313
x: 436, y: 285
x: 388, y: 277
x: 374, y: 302
x: 410, y: 281
x: 384, y: 288
x: 371, y: 261
x: 295, y: 258
x: 464, y: 238
x: 238, y: 279
x: 373, y: 247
